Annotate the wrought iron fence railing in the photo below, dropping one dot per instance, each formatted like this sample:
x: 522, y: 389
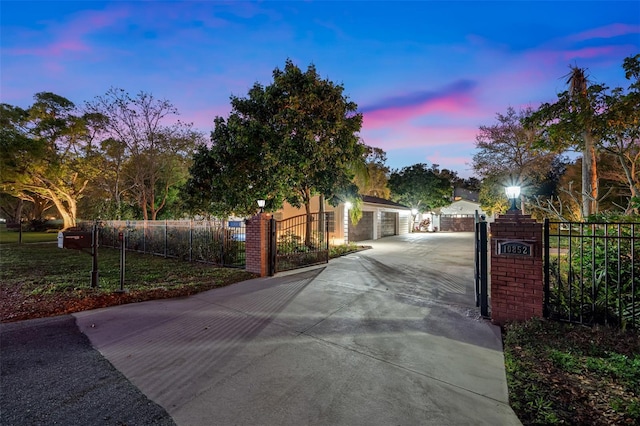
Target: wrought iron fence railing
x: 301, y: 241
x: 592, y: 272
x: 217, y: 242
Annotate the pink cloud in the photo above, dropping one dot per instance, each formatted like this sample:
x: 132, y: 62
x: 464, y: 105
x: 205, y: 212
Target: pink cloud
x: 452, y: 162
x: 590, y: 52
x: 68, y: 37
x: 608, y: 31
x: 402, y: 137
x: 54, y: 49
x: 452, y: 105
x: 452, y: 99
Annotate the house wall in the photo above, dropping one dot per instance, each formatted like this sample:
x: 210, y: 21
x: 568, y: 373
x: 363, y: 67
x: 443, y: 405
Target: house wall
x: 462, y: 207
x: 339, y: 231
x: 340, y: 234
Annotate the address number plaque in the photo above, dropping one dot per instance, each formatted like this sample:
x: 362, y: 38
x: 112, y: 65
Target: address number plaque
x: 515, y: 248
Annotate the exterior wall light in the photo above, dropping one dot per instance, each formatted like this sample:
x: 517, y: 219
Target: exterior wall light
x: 261, y: 205
x: 348, y: 205
x: 414, y: 211
x: 512, y: 192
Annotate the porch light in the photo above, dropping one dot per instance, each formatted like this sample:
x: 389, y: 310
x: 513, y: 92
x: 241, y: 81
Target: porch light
x: 414, y: 211
x: 261, y: 205
x: 512, y: 192
x: 348, y: 205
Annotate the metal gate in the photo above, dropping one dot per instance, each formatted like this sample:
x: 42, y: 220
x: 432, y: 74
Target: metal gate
x: 592, y: 272
x: 482, y: 265
x: 299, y: 241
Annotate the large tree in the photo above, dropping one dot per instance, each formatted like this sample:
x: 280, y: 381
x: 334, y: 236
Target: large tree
x: 596, y: 121
x: 421, y: 187
x: 508, y: 155
x: 572, y: 122
x: 47, y: 153
x: 290, y: 140
x: 147, y: 151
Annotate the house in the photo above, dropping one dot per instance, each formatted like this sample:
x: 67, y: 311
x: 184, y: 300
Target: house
x: 380, y: 218
x: 460, y: 215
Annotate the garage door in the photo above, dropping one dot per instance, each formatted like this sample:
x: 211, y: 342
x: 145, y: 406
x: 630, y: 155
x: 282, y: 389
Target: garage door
x: 363, y: 230
x: 457, y: 223
x: 404, y: 225
x: 389, y: 221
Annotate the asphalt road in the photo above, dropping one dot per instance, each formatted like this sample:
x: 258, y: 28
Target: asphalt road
x: 51, y: 375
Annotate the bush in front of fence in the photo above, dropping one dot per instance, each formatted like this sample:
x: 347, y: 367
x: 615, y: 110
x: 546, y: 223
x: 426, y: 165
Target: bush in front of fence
x: 595, y: 277
x: 211, y: 242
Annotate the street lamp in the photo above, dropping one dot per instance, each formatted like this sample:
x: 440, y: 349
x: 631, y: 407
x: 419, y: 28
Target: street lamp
x: 512, y: 192
x: 261, y: 205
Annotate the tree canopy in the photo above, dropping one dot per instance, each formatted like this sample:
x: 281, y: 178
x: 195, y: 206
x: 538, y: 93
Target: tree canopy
x: 290, y: 140
x: 143, y: 156
x: 373, y: 179
x: 508, y: 154
x: 596, y: 120
x: 421, y: 187
x: 46, y: 153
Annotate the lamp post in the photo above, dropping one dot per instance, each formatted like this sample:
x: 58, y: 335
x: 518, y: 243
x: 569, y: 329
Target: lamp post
x: 261, y: 205
x: 512, y: 192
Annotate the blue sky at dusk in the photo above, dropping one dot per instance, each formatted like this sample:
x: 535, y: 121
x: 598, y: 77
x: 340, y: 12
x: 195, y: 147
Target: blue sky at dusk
x: 425, y: 75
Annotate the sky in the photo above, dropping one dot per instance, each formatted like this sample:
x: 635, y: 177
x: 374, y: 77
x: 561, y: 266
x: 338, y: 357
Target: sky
x: 425, y: 74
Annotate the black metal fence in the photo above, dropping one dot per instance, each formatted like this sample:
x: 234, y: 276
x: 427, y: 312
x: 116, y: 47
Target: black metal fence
x: 216, y: 242
x: 482, y: 265
x: 592, y: 272
x: 300, y: 241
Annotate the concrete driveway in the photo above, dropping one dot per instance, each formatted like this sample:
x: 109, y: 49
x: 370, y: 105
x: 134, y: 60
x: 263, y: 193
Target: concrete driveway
x: 387, y: 336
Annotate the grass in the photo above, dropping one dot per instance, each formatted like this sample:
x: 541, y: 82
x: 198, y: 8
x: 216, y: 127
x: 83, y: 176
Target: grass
x: 342, y: 249
x: 569, y: 374
x: 41, y: 280
x: 12, y: 236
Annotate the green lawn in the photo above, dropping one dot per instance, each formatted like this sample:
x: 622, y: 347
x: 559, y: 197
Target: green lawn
x: 41, y: 279
x: 12, y: 236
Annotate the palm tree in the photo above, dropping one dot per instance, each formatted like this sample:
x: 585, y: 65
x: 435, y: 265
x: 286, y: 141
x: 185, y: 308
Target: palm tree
x: 578, y: 85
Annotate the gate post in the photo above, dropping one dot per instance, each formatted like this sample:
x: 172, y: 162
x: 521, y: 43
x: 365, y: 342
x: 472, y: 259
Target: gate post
x: 482, y: 296
x: 517, y: 287
x: 257, y: 244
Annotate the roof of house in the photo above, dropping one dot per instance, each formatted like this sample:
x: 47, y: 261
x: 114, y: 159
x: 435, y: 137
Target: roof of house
x: 376, y: 200
x: 465, y: 194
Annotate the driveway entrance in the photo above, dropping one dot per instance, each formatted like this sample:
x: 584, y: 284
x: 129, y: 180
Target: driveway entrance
x: 385, y: 336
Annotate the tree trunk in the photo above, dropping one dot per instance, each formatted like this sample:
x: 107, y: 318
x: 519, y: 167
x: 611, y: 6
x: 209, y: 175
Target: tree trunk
x: 17, y: 216
x: 589, y: 177
x: 634, y: 187
x: 68, y: 213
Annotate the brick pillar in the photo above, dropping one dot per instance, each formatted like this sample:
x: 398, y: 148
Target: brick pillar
x: 517, y: 285
x: 257, y: 244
